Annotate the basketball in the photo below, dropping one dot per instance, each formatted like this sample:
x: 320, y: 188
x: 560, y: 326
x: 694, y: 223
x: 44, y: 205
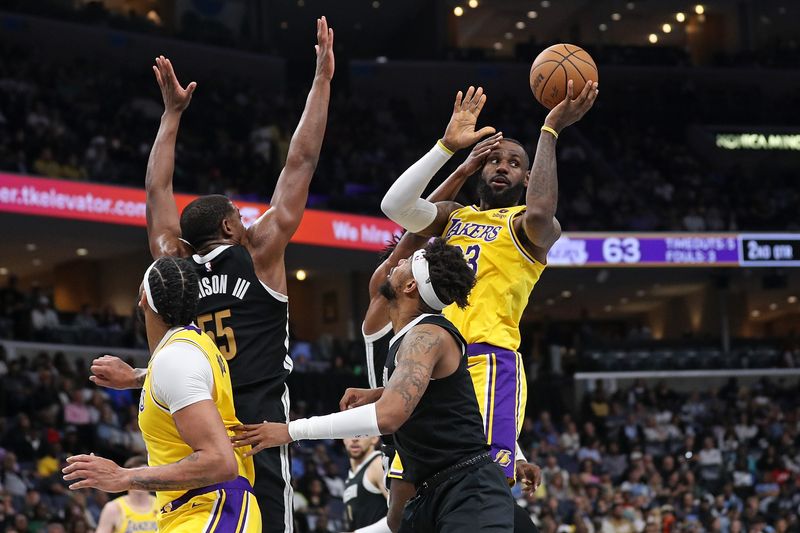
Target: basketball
x: 554, y: 67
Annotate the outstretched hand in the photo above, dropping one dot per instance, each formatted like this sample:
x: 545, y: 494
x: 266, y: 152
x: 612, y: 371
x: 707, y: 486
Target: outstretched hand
x: 91, y: 471
x: 176, y: 98
x: 477, y: 157
x: 569, y: 110
x: 460, y: 131
x: 324, y: 47
x: 260, y: 436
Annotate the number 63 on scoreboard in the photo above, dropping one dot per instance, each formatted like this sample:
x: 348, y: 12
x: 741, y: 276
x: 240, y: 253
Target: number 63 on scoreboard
x: 621, y: 250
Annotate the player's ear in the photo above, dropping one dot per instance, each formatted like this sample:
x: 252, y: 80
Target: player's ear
x: 410, y: 286
x: 226, y: 228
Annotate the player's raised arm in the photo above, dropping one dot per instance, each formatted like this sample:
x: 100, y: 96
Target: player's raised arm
x: 541, y: 199
x: 268, y: 237
x: 403, y: 202
x: 445, y: 192
x: 163, y: 219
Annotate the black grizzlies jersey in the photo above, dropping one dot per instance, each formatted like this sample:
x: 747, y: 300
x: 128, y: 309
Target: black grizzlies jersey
x: 365, y: 502
x: 446, y: 425
x: 249, y: 323
x: 376, y: 346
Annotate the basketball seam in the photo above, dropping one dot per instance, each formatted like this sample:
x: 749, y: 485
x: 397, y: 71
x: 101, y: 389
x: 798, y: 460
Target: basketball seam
x: 541, y: 93
x: 572, y: 54
x: 594, y: 67
x: 577, y: 69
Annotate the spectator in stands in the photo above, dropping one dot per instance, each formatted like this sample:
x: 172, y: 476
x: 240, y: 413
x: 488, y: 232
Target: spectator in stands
x: 44, y: 319
x: 85, y: 319
x: 46, y: 165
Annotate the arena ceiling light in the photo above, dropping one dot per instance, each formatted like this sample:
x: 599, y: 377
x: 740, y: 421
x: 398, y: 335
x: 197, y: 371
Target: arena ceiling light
x: 301, y: 275
x: 82, y: 252
x: 616, y: 17
x: 790, y: 299
x: 458, y: 11
x: 473, y: 4
x: 666, y: 28
x: 520, y: 25
x: 680, y: 17
x: 31, y: 247
x: 699, y: 9
x: 532, y: 14
x: 4, y: 272
x: 603, y: 27
x: 653, y: 38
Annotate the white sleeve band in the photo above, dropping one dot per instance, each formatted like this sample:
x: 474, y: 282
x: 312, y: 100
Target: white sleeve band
x: 519, y: 456
x: 403, y: 202
x: 353, y: 423
x: 181, y: 376
x: 381, y: 526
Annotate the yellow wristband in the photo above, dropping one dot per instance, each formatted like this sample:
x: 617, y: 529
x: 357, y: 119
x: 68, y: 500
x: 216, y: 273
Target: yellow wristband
x: 548, y: 129
x: 447, y: 150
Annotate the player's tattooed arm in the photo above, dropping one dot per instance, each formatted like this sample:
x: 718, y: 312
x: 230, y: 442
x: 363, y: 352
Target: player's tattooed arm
x: 148, y: 478
x: 212, y: 459
x: 163, y: 220
x: 539, y: 222
x: 417, y: 357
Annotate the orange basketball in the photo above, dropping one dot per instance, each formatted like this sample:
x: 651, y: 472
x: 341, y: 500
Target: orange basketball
x: 553, y: 67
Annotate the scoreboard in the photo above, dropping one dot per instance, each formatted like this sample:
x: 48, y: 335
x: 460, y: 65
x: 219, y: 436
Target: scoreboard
x: 676, y: 250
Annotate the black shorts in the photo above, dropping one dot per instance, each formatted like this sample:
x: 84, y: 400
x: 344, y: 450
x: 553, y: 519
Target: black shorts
x: 273, y: 466
x: 477, y: 500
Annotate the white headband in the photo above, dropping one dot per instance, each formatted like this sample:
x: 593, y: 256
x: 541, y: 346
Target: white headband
x: 421, y: 273
x: 146, y: 283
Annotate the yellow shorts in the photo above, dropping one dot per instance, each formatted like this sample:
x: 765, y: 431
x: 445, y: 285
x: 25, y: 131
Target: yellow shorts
x: 220, y: 511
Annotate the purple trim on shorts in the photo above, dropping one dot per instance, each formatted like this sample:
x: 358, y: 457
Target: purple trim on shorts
x: 502, y: 412
x: 240, y: 483
x: 481, y: 348
x: 231, y: 512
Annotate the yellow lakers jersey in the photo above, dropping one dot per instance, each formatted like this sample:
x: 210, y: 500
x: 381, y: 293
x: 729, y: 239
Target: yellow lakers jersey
x: 164, y: 443
x: 134, y: 521
x: 505, y: 275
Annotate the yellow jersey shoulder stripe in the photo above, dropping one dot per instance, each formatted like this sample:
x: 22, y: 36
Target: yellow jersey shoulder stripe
x: 518, y: 241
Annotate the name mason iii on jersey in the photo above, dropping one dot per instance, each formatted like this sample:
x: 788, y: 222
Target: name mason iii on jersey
x: 218, y: 284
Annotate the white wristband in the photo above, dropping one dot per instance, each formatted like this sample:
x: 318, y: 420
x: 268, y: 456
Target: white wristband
x: 381, y: 526
x: 353, y: 423
x: 519, y: 455
x: 403, y: 202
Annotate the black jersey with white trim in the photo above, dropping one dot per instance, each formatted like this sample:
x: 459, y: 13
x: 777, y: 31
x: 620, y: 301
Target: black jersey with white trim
x: 446, y: 425
x: 376, y: 346
x: 365, y: 503
x: 249, y: 323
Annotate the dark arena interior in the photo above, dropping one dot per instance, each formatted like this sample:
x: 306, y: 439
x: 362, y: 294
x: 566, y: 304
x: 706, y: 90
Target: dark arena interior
x: 660, y: 348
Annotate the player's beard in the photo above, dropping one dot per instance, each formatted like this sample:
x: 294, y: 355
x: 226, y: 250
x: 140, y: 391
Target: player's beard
x: 508, y: 197
x: 387, y: 291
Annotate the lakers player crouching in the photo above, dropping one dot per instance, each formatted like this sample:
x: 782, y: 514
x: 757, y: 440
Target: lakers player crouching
x: 427, y: 403
x: 185, y: 413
